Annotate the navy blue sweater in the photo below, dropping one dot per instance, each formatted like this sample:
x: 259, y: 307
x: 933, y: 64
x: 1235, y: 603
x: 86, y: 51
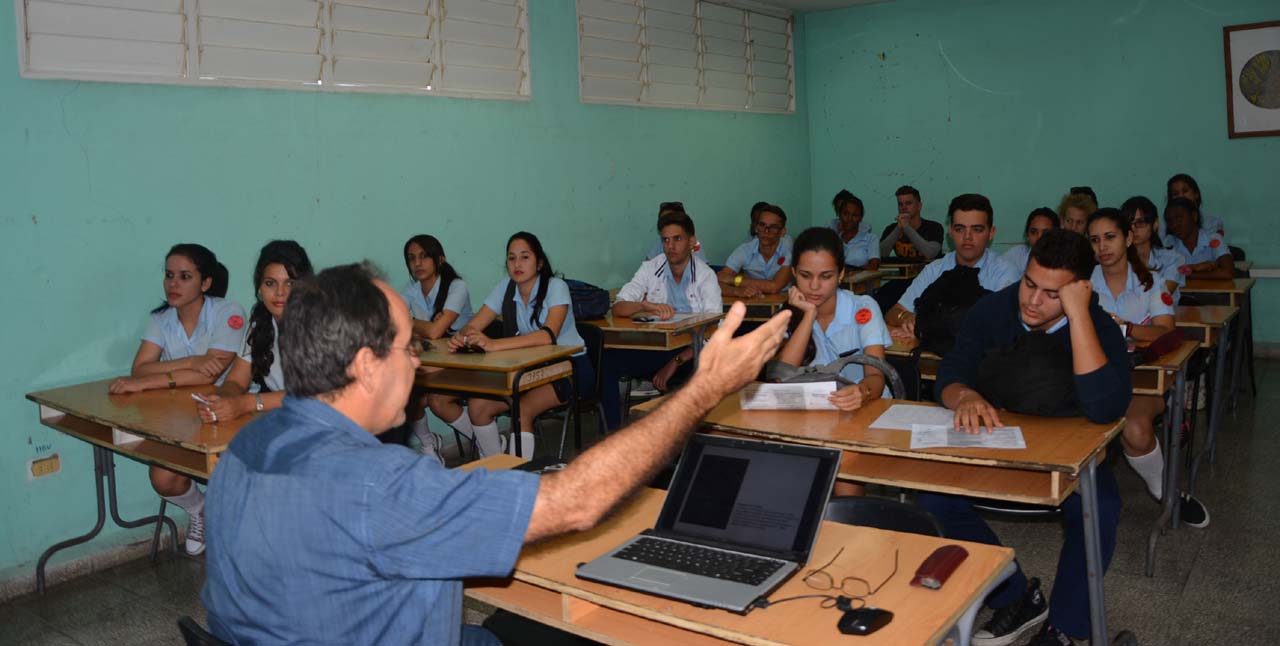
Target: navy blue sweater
x: 995, y: 322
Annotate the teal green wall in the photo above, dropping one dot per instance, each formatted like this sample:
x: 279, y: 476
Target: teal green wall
x: 99, y: 179
x: 1021, y: 99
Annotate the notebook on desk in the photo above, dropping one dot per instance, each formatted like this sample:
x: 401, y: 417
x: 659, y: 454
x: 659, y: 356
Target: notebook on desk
x: 741, y: 517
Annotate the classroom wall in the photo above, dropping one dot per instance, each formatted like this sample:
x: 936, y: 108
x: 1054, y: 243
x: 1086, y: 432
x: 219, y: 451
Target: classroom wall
x: 1022, y: 99
x: 100, y: 179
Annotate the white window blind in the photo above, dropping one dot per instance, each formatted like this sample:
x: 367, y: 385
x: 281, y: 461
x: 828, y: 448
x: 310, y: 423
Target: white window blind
x: 468, y: 48
x: 685, y: 53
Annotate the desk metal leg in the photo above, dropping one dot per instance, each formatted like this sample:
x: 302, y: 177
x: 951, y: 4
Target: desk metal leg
x: 103, y: 468
x: 962, y: 632
x: 1093, y: 552
x: 1217, y: 406
x: 1171, y: 463
x: 1242, y: 332
x: 699, y: 339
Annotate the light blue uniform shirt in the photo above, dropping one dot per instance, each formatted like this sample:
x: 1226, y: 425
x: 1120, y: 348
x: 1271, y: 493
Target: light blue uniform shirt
x: 1165, y: 263
x: 747, y: 259
x: 656, y: 250
x: 993, y: 273
x: 678, y: 293
x: 1017, y: 257
x: 275, y: 375
x: 863, y: 248
x: 557, y: 294
x: 222, y: 326
x: 457, y: 300
x: 1134, y: 304
x: 1209, y: 248
x: 845, y: 333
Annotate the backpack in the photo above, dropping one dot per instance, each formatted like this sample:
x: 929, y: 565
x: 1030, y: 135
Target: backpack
x: 942, y: 306
x: 589, y: 302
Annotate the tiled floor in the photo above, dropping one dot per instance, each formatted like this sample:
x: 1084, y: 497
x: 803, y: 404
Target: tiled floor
x: 1211, y: 586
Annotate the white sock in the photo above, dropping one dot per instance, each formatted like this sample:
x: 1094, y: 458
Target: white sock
x: 1150, y: 468
x: 487, y: 439
x: 422, y: 431
x: 192, y: 501
x: 527, y: 445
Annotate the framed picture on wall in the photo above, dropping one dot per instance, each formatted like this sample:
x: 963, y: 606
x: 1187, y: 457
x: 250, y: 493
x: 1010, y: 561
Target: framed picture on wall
x: 1252, y: 55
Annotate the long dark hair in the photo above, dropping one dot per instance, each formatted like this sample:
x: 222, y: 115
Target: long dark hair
x: 1140, y: 203
x: 545, y: 273
x: 206, y: 264
x: 1122, y: 223
x: 1185, y: 179
x: 262, y: 335
x: 814, y: 239
x: 1042, y: 212
x: 434, y: 250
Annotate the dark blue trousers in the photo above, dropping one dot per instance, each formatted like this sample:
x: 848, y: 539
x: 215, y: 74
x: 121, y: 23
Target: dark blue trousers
x: 1069, y: 601
x: 617, y: 364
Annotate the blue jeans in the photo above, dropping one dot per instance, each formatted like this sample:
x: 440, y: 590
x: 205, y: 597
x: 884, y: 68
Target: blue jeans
x: 1069, y: 602
x: 617, y: 364
x: 478, y: 636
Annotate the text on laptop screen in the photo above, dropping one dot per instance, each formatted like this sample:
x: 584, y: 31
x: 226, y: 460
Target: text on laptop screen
x: 747, y: 497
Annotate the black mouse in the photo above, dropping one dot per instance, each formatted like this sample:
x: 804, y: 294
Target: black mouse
x: 864, y: 621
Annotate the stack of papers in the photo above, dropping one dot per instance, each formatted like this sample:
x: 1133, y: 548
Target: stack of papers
x: 802, y: 396
x: 934, y: 426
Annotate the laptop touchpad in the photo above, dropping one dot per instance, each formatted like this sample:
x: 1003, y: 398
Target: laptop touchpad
x: 658, y: 576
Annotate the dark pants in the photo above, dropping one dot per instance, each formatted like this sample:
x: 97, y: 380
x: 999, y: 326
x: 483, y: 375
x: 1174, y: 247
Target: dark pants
x: 617, y: 364
x: 1069, y: 602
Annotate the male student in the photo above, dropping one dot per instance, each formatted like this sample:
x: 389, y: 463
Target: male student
x: 656, y: 249
x: 972, y: 223
x: 320, y: 534
x: 676, y: 282
x: 760, y: 265
x: 1041, y: 346
x: 911, y: 237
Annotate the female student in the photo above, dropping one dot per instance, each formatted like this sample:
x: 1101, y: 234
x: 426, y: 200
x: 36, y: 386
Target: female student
x: 543, y: 313
x: 1038, y: 221
x: 833, y: 321
x: 1165, y: 263
x: 1206, y: 253
x: 255, y: 382
x: 1184, y: 185
x: 861, y: 248
x: 1137, y: 301
x: 190, y: 340
x: 440, y: 305
x: 760, y: 265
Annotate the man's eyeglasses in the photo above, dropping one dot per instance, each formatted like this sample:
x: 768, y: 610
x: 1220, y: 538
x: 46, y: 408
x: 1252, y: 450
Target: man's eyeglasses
x: 768, y: 228
x: 850, y: 586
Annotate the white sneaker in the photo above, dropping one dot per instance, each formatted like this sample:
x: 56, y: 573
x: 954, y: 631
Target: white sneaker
x: 195, y: 534
x: 431, y: 446
x: 644, y: 389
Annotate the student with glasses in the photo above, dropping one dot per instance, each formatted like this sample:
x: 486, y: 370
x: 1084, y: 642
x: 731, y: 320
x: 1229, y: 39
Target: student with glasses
x: 1165, y: 263
x: 760, y: 266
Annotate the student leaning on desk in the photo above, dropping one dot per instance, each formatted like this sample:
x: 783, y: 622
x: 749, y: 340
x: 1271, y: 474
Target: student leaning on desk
x: 1042, y: 346
x: 321, y: 534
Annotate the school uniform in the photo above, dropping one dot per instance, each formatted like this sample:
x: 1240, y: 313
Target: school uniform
x: 993, y: 273
x: 747, y: 259
x: 1017, y: 257
x: 422, y: 307
x: 656, y: 251
x: 1165, y: 264
x: 861, y: 249
x: 1209, y: 248
x: 275, y: 375
x: 221, y: 326
x: 1136, y: 304
x: 584, y: 374
x: 856, y: 325
x: 698, y: 290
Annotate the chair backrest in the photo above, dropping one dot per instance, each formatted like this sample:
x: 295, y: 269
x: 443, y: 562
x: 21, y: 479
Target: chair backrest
x: 1237, y: 254
x: 882, y: 513
x: 593, y: 337
x: 195, y: 635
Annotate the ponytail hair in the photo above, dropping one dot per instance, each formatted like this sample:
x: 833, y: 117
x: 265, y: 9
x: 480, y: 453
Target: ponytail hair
x: 435, y: 251
x: 545, y: 273
x: 262, y: 335
x: 207, y: 266
x: 1131, y: 252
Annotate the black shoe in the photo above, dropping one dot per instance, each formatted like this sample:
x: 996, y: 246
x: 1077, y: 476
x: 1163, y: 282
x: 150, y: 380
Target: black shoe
x: 1192, y: 512
x: 1013, y: 621
x: 1050, y: 636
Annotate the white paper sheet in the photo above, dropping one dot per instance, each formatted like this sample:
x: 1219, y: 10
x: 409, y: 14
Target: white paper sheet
x: 928, y: 436
x: 900, y: 417
x: 677, y: 318
x: 807, y: 396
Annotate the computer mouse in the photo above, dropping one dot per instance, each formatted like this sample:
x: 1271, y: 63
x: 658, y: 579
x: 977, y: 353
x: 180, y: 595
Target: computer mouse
x: 864, y: 621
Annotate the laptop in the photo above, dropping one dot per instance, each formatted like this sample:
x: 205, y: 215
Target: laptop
x: 741, y: 517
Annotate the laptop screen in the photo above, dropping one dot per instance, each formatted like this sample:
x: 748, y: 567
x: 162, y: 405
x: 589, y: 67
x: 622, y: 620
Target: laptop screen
x: 762, y: 495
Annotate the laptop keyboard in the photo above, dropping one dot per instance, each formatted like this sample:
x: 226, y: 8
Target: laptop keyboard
x: 694, y: 559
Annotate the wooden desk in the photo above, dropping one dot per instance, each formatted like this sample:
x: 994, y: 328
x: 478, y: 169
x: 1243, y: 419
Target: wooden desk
x: 864, y: 281
x: 1061, y: 454
x: 154, y: 427
x: 1155, y: 377
x: 1234, y: 288
x: 928, y: 364
x: 901, y: 270
x: 543, y: 588
x: 760, y: 308
x: 501, y: 375
x: 1204, y: 323
x: 1244, y: 265
x: 622, y: 333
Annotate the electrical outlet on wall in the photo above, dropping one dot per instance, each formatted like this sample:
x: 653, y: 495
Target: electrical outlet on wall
x: 45, y: 466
